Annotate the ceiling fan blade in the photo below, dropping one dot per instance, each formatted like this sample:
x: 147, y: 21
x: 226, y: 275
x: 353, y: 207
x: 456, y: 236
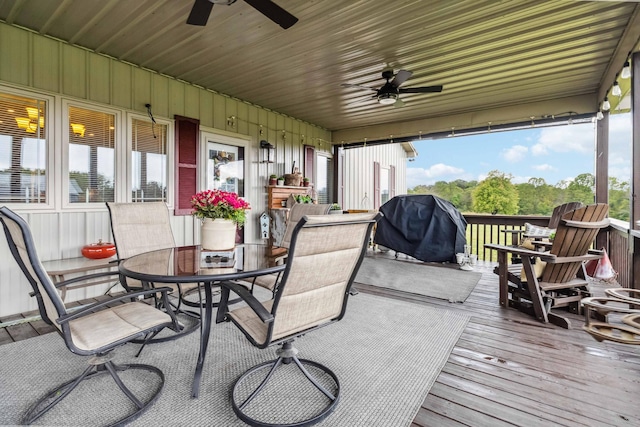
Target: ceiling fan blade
x: 359, y: 87
x: 273, y: 12
x: 401, y: 77
x: 426, y: 89
x: 200, y: 13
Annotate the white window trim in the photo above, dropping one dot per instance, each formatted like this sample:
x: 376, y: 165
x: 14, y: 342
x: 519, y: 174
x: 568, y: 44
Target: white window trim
x: 124, y: 193
x: 119, y: 146
x: 51, y: 170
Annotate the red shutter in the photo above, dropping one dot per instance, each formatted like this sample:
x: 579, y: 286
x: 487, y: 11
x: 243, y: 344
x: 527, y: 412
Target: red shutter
x: 187, y: 144
x: 376, y: 185
x: 309, y: 157
x: 392, y: 181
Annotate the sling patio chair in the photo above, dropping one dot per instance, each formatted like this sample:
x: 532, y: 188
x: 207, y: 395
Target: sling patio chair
x: 94, y: 330
x: 325, y: 254
x: 553, y: 278
x: 298, y: 210
x: 146, y: 227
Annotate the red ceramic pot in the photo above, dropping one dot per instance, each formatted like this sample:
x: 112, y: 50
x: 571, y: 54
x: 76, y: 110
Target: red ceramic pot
x: 99, y: 250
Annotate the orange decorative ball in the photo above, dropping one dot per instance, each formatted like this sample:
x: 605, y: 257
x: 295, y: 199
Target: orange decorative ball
x: 99, y: 250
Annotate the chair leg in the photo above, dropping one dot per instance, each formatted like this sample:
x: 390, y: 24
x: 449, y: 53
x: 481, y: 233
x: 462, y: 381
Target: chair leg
x: 286, y: 355
x: 98, y: 366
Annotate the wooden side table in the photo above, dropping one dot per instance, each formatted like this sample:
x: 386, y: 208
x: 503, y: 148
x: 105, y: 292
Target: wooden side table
x: 57, y: 269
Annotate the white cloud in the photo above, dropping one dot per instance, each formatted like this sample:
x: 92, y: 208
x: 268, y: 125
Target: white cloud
x: 514, y: 179
x: 565, y: 139
x: 515, y: 153
x: 437, y: 172
x: 620, y: 146
x: 520, y: 179
x: 543, y: 167
x: 622, y: 173
x: 539, y: 150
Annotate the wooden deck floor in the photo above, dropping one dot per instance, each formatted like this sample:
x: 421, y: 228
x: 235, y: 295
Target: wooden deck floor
x: 508, y: 369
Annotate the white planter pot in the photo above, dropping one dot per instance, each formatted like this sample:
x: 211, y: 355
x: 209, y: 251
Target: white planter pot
x: 217, y: 234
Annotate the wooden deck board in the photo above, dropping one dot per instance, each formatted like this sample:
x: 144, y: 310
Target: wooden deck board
x: 508, y: 369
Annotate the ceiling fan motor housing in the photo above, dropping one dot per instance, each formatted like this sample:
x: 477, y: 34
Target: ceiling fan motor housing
x: 387, y: 74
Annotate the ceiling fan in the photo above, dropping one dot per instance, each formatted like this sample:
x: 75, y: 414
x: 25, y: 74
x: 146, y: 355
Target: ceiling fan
x: 390, y: 92
x: 202, y: 9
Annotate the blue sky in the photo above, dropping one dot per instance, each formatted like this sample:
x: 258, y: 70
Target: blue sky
x: 553, y: 153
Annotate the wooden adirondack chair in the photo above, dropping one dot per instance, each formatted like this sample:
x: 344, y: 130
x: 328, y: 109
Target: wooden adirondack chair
x: 554, y: 220
x: 535, y: 287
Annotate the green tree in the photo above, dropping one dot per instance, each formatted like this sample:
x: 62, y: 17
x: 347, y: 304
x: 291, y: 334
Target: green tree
x: 449, y: 191
x: 496, y: 194
x: 418, y: 189
x: 536, y: 197
x: 619, y: 200
x: 581, y: 189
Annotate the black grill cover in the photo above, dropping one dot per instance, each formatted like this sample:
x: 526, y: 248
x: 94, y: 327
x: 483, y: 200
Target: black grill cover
x: 423, y: 226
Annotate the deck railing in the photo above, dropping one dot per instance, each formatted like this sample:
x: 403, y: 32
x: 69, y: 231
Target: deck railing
x: 621, y: 243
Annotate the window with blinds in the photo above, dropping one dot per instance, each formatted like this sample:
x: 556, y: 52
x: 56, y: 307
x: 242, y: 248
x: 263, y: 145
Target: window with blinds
x: 23, y: 150
x: 149, y: 161
x: 91, y: 156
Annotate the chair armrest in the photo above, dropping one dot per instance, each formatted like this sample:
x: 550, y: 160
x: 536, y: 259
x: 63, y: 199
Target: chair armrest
x: 562, y: 260
x: 266, y: 271
x: 86, y: 277
x: 512, y: 231
x: 586, y: 224
x: 81, y: 279
x: 93, y: 307
x: 519, y: 251
x: 251, y: 301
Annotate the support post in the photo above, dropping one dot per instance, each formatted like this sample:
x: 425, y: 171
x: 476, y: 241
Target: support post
x: 634, y: 272
x: 602, y: 172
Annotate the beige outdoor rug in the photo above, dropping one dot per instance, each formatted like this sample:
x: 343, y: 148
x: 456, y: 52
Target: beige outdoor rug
x: 441, y: 282
x: 386, y: 353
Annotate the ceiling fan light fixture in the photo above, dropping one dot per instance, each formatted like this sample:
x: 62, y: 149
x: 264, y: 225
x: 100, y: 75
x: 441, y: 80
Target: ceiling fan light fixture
x: 387, y: 98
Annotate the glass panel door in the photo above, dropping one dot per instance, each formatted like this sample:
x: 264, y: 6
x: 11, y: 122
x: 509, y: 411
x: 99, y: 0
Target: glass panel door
x: 225, y: 167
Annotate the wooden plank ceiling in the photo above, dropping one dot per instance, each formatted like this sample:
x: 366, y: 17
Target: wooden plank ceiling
x: 499, y: 61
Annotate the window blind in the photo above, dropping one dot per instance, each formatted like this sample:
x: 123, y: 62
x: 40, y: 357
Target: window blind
x: 91, y: 156
x: 149, y: 162
x: 23, y: 150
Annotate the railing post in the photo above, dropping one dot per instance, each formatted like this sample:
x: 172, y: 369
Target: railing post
x: 634, y: 259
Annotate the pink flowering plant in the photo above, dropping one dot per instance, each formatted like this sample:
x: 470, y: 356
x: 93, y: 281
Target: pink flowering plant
x: 218, y: 204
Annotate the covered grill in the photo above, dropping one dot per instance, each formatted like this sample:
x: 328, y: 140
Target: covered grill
x: 423, y: 226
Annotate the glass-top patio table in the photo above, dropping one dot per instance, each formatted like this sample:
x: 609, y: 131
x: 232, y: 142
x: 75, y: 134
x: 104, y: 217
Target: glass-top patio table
x: 190, y: 264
